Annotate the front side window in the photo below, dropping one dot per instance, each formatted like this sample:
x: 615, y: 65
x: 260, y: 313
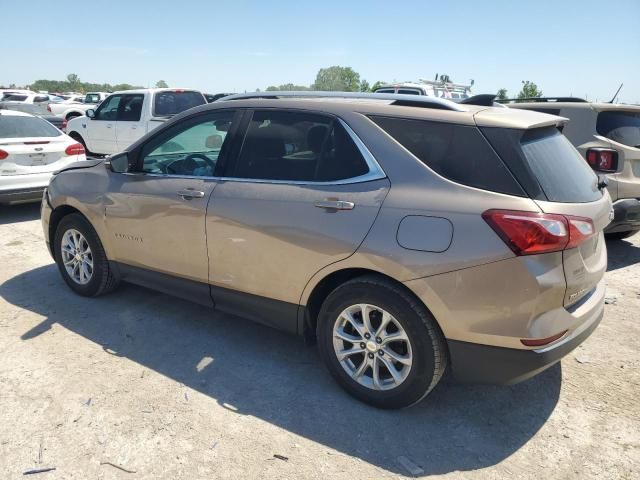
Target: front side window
x: 409, y: 91
x: 192, y: 150
x: 108, y: 110
x: 296, y: 146
x: 130, y: 109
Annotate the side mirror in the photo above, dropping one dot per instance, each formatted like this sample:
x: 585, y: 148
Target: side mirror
x: 118, y: 163
x: 91, y: 113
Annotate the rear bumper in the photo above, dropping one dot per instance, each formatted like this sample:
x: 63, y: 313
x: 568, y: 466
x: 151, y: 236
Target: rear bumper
x: 472, y: 362
x: 626, y: 216
x: 21, y: 195
x: 23, y: 188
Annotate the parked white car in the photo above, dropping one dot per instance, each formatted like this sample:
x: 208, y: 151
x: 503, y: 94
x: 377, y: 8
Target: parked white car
x: 6, y: 92
x: 31, y: 149
x: 73, y: 108
x: 126, y: 116
x: 35, y: 103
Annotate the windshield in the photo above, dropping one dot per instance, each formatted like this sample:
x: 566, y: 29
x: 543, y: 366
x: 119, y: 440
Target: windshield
x: 621, y: 127
x: 170, y: 103
x: 14, y: 126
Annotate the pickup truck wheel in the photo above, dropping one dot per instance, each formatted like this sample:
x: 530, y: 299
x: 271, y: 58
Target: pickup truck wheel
x: 78, y: 138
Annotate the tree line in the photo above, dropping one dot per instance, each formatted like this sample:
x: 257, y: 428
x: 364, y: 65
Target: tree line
x: 329, y: 79
x: 74, y: 84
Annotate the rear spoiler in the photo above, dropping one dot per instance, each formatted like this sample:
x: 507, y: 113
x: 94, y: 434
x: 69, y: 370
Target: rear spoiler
x: 484, y: 100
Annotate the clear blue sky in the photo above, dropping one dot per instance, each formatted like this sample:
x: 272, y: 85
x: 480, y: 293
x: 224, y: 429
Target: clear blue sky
x: 578, y: 47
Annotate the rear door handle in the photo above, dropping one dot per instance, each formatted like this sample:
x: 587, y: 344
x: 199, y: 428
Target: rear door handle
x: 189, y: 194
x: 335, y: 205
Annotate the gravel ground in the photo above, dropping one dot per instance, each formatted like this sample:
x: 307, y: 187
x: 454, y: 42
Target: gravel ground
x: 140, y: 385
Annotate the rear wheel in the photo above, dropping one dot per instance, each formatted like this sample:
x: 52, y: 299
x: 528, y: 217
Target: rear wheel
x: 380, y: 343
x: 81, y: 259
x: 620, y: 235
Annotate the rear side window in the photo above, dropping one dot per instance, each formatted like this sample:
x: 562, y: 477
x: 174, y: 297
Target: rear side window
x: 172, y: 102
x: 13, y: 126
x: 41, y: 98
x: 562, y: 173
x: 405, y: 91
x: 385, y: 90
x: 296, y: 146
x: 15, y: 98
x: 621, y: 127
x: 457, y: 152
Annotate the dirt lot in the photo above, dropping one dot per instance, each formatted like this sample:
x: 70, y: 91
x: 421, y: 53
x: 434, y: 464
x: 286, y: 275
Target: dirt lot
x: 167, y: 389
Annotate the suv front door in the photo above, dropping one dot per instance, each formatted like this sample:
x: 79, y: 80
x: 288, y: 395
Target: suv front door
x: 301, y: 194
x: 157, y: 212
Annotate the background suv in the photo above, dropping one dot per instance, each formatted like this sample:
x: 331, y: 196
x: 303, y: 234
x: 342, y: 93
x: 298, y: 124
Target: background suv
x: 608, y: 137
x: 404, y: 234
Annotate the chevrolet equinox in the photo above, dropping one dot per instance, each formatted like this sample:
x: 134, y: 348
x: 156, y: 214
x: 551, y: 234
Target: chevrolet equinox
x: 405, y: 235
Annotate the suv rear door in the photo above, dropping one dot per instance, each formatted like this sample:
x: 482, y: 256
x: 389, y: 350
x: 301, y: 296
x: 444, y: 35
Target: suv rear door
x: 301, y: 193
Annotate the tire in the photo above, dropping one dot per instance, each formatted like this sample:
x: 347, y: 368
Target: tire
x: 102, y: 279
x: 620, y: 235
x: 78, y: 138
x: 426, y: 344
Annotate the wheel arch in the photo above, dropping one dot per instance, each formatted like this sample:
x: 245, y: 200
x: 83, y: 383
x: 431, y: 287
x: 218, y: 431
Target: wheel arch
x: 321, y: 290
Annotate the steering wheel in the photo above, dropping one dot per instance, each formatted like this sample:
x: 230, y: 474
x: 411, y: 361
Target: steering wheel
x: 203, y: 157
x: 170, y: 170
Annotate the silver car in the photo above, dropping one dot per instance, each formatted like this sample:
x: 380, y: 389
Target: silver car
x: 403, y: 234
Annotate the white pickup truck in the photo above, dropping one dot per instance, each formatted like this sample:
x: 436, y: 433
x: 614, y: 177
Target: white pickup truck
x: 69, y: 109
x: 124, y: 117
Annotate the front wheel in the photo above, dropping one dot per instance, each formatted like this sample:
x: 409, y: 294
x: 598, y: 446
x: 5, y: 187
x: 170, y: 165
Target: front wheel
x: 380, y: 343
x: 81, y: 259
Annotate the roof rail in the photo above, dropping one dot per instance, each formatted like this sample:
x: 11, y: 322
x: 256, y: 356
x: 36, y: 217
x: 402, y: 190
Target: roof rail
x: 543, y: 100
x: 397, y: 99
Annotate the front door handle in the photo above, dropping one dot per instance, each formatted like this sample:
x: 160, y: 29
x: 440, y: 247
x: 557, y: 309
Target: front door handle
x: 188, y: 194
x: 335, y: 205
x: 108, y: 125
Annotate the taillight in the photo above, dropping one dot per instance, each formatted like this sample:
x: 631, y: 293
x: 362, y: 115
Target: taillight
x: 74, y: 149
x: 48, y: 108
x: 3, y: 154
x: 63, y: 127
x: 530, y: 233
x: 603, y: 160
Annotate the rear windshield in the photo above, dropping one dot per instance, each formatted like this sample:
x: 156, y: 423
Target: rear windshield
x: 13, y: 126
x: 457, y: 152
x: 621, y: 127
x: 92, y: 98
x: 173, y: 102
x: 561, y: 172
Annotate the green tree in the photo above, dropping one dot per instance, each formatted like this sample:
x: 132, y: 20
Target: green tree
x: 502, y: 94
x: 74, y: 82
x: 377, y: 85
x: 337, y: 79
x: 529, y: 90
x: 364, y: 86
x: 287, y: 87
x: 161, y: 84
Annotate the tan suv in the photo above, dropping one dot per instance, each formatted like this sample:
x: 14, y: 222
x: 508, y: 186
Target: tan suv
x: 608, y: 137
x: 404, y: 234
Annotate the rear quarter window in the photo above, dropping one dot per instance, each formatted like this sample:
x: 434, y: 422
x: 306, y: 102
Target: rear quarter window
x: 457, y: 152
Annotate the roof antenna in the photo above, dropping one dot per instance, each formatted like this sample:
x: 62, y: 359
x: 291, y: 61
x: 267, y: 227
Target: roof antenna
x: 617, y: 92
